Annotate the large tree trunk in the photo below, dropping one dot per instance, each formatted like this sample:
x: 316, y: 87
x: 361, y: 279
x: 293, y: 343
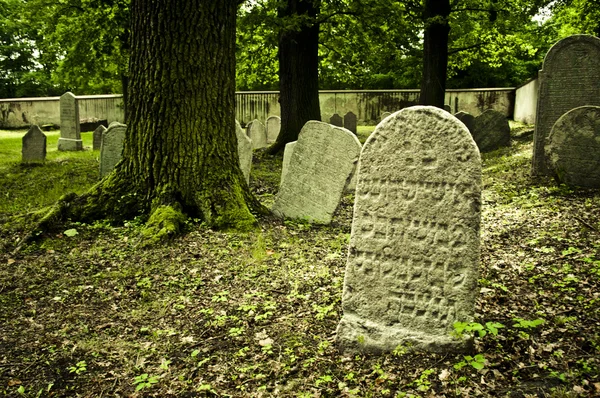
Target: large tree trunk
x: 298, y: 70
x: 435, y: 52
x: 180, y: 154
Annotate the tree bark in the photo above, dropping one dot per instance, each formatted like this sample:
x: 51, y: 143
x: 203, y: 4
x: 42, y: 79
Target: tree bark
x: 180, y: 152
x: 435, y: 52
x: 298, y: 69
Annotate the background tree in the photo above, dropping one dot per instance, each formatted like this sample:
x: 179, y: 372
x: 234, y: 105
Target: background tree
x: 180, y: 153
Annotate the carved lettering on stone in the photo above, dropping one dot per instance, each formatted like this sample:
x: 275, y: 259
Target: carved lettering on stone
x: 413, y: 257
x: 319, y: 169
x: 112, y: 147
x: 34, y: 145
x: 570, y: 78
x: 573, y: 147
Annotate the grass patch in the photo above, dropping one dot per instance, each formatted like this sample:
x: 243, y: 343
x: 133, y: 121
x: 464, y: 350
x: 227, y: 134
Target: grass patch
x: 87, y: 312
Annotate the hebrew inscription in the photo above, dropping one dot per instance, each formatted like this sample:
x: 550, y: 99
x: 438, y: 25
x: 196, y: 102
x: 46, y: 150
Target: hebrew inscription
x: 414, y: 247
x: 569, y: 78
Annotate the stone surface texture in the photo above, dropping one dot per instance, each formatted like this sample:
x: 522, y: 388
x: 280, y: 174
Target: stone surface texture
x: 319, y: 169
x: 70, y: 135
x: 273, y: 128
x: 287, y: 156
x: 467, y: 119
x: 570, y: 78
x: 97, y: 137
x: 573, y: 148
x: 491, y: 131
x: 111, y: 148
x: 336, y: 120
x: 244, y: 150
x: 350, y: 122
x: 257, y: 133
x: 413, y: 256
x: 34, y: 145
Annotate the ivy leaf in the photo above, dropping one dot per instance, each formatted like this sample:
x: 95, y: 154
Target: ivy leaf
x: 71, y: 232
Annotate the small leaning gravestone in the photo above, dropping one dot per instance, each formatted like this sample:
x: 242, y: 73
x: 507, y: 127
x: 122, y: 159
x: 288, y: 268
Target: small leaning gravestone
x: 97, y: 137
x: 320, y: 166
x: 491, y: 131
x: 257, y: 133
x: 244, y: 151
x: 336, y: 120
x: 34, y: 145
x: 413, y: 256
x: 111, y: 148
x: 350, y: 122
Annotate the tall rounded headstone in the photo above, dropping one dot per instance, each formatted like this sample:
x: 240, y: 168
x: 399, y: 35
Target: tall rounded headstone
x: 570, y: 78
x: 414, y: 253
x: 336, y: 120
x: 257, y: 133
x: 70, y: 134
x: 573, y: 147
x: 491, y: 131
x: 320, y: 166
x: 273, y: 128
x: 350, y: 122
x: 111, y: 148
x: 244, y: 151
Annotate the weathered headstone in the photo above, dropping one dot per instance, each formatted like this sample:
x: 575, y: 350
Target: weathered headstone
x: 111, y: 148
x: 385, y: 114
x: 336, y: 120
x: 350, y: 122
x: 244, y: 150
x: 257, y: 133
x: 34, y: 145
x: 447, y: 108
x: 466, y: 118
x: 97, y: 137
x: 573, y: 147
x: 273, y: 127
x: 413, y: 256
x: 570, y: 78
x: 91, y: 124
x: 287, y: 156
x: 491, y: 131
x: 70, y: 135
x: 320, y: 165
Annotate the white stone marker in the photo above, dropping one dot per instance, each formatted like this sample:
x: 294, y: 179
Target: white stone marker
x: 70, y: 135
x: 273, y: 128
x: 320, y: 165
x: 287, y: 156
x: 257, y: 133
x: 111, y: 148
x: 244, y: 150
x: 413, y: 256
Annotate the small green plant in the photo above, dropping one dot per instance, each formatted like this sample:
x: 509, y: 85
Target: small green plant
x: 525, y: 324
x: 220, y: 296
x: 462, y: 329
x: 144, y: 381
x: 79, y: 368
x: 477, y: 362
x: 422, y: 383
x: 323, y: 311
x: 323, y: 380
x: 234, y: 332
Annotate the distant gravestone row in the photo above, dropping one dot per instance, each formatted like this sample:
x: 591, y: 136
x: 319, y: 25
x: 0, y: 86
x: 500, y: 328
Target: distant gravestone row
x: 349, y: 121
x: 414, y: 248
x: 569, y: 79
x: 320, y: 166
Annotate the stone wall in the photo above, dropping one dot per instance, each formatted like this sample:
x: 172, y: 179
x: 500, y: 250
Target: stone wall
x: 526, y: 96
x: 366, y: 104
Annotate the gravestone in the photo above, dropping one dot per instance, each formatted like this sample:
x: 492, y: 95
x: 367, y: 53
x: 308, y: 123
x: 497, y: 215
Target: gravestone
x: 321, y: 163
x: 350, y: 122
x: 70, y: 135
x: 336, y: 120
x: 466, y: 118
x: 111, y: 148
x: 244, y: 150
x: 573, y: 148
x: 91, y: 124
x: 97, y: 137
x: 257, y: 133
x: 570, y: 78
x: 34, y: 145
x: 287, y: 156
x: 413, y: 256
x: 385, y: 114
x: 491, y: 131
x: 273, y: 127
x: 447, y: 108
